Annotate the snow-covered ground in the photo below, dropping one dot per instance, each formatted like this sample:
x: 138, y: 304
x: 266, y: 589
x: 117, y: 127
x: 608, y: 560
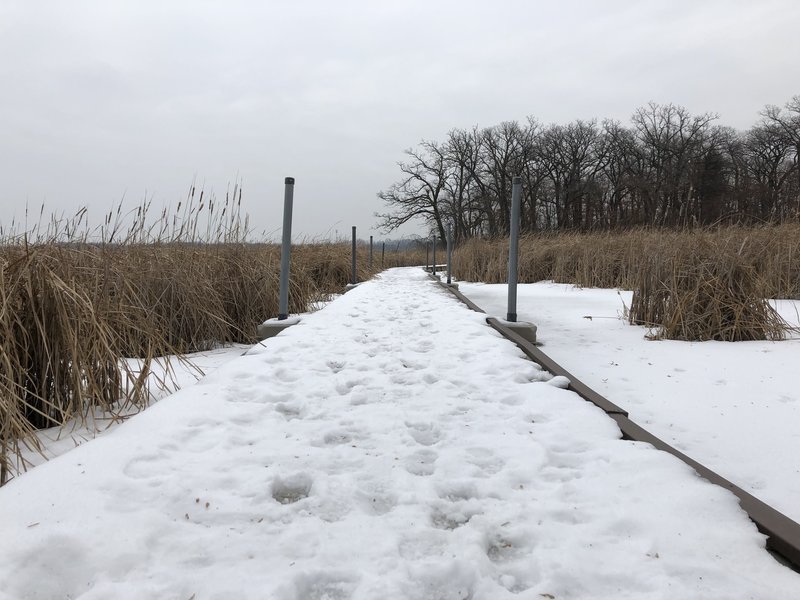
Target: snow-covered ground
x: 734, y: 407
x: 391, y: 445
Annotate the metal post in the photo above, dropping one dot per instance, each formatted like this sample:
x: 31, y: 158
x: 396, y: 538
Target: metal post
x: 449, y: 255
x: 353, y: 278
x: 427, y: 255
x: 383, y: 253
x: 513, y: 249
x: 434, y: 256
x: 286, y: 248
x: 370, y: 254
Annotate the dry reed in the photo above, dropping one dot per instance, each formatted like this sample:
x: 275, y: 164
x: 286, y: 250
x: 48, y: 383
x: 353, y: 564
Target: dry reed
x: 692, y: 285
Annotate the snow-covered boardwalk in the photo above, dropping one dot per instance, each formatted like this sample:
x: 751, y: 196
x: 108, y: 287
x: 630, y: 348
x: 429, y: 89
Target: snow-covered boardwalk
x: 389, y: 446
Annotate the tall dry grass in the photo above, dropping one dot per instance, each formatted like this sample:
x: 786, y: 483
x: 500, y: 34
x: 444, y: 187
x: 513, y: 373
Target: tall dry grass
x: 690, y: 285
x: 75, y: 302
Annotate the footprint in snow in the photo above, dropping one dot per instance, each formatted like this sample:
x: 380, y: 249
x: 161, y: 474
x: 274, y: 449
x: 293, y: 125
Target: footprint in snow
x: 289, y: 411
x: 424, y: 544
x: 421, y: 462
x: 485, y: 460
x: 336, y: 437
x: 142, y: 467
x: 456, y: 491
x: 346, y: 387
x: 292, y: 488
x: 423, y: 347
x: 430, y: 378
x: 321, y: 585
x: 425, y: 434
x: 439, y: 580
x: 335, y: 366
x: 452, y: 517
x: 377, y: 497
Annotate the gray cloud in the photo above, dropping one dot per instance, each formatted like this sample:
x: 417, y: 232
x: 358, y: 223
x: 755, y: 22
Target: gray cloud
x: 105, y: 99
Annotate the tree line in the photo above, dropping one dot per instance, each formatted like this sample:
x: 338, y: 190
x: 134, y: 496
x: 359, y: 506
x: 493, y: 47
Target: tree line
x: 668, y: 168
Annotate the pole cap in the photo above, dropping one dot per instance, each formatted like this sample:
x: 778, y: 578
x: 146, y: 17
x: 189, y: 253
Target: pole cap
x: 289, y: 181
x: 517, y: 179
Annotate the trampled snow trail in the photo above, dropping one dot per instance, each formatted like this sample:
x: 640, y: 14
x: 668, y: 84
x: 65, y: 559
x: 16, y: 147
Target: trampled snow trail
x: 389, y: 446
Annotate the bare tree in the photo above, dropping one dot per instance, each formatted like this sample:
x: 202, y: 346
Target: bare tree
x: 503, y: 157
x: 769, y: 164
x: 462, y: 156
x: 418, y: 194
x: 620, y: 145
x: 574, y: 156
x: 670, y: 139
x: 789, y: 122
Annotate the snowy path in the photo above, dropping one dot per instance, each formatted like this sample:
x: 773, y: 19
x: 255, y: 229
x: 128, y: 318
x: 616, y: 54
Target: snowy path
x: 389, y: 446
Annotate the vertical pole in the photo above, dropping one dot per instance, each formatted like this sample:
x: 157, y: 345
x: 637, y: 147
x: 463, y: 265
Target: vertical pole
x: 286, y: 248
x: 383, y: 253
x: 449, y: 255
x: 353, y: 278
x: 434, y: 256
x: 370, y: 254
x: 513, y: 249
x: 427, y: 255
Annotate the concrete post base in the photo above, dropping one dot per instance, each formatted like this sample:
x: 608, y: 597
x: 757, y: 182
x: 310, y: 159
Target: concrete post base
x: 522, y: 328
x: 273, y: 327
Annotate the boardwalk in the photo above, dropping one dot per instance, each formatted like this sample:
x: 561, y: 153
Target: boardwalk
x: 389, y: 446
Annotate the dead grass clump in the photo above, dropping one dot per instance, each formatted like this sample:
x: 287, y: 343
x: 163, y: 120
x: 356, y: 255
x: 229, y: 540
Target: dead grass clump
x: 701, y: 292
x: 59, y: 356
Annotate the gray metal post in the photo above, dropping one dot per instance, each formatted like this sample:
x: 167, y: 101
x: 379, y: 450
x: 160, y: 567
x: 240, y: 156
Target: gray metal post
x: 427, y: 255
x: 286, y: 248
x: 383, y: 253
x: 449, y: 255
x: 434, y: 256
x: 513, y: 249
x: 353, y: 278
x: 370, y: 254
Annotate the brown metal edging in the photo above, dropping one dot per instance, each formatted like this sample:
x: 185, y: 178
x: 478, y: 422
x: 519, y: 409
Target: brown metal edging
x: 783, y: 534
x: 470, y: 304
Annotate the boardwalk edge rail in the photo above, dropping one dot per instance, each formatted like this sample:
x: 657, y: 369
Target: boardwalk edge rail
x: 783, y: 534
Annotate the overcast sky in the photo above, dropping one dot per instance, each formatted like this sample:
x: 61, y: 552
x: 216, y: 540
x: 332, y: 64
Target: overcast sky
x: 117, y: 100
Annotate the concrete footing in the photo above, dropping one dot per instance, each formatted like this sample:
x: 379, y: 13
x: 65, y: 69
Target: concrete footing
x: 273, y: 327
x: 522, y: 328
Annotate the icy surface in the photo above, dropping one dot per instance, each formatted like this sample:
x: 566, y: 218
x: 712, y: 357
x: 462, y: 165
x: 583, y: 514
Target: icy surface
x: 735, y: 407
x: 392, y: 446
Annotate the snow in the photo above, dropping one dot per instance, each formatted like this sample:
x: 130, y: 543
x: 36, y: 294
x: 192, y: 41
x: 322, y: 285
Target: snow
x: 391, y: 445
x: 734, y: 407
